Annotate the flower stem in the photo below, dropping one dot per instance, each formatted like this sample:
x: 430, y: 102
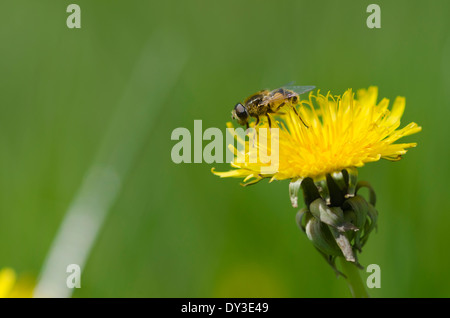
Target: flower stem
x: 354, y: 280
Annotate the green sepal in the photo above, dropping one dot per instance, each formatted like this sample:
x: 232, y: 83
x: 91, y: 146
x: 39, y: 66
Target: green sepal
x: 322, y: 186
x: 302, y: 217
x: 310, y: 192
x: 350, y: 217
x: 333, y: 216
x: 337, y: 194
x: 360, y: 208
x: 319, y: 234
x: 372, y: 194
x: 294, y: 186
x: 352, y: 179
x: 340, y: 180
x: 344, y: 244
x: 372, y: 214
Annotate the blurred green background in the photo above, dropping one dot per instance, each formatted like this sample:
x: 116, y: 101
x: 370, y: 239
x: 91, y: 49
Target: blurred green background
x: 114, y: 90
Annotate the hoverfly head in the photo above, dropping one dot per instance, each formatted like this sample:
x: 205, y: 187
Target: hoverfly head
x: 240, y: 113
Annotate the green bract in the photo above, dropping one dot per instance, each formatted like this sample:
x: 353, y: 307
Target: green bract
x: 336, y: 218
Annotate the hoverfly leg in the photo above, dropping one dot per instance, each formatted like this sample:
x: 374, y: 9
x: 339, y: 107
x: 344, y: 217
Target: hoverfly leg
x: 303, y: 121
x: 257, y: 121
x: 247, y: 133
x: 248, y: 128
x: 269, y: 121
x: 298, y: 115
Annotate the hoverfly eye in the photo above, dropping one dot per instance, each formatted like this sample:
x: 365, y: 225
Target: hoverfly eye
x: 240, y: 110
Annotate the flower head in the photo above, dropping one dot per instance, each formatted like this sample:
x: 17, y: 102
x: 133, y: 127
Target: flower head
x: 320, y: 144
x: 341, y: 132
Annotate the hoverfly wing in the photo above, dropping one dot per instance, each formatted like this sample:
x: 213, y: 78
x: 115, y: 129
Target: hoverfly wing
x: 290, y: 84
x: 299, y: 89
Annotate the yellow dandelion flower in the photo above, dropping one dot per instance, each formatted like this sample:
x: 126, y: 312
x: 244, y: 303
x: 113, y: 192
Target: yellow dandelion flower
x: 318, y: 146
x: 320, y: 151
x: 342, y: 132
x: 11, y: 288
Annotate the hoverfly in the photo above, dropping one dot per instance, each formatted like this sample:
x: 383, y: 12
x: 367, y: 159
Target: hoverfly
x: 267, y: 102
